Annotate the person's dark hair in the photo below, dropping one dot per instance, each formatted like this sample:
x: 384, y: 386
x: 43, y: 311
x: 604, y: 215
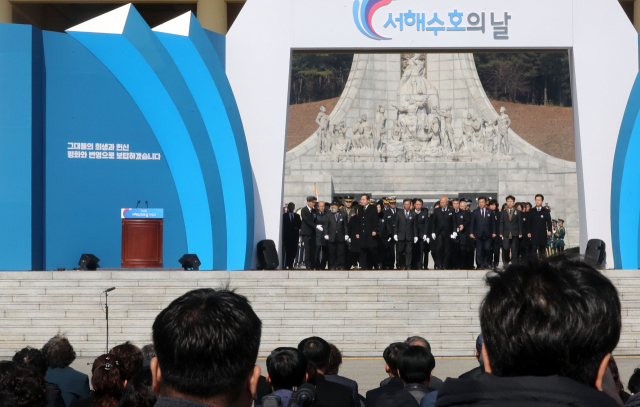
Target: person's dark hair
x: 455, y: 200
x: 7, y: 400
x: 539, y: 195
x: 493, y: 202
x: 148, y: 352
x: 634, y: 382
x: 312, y: 373
x: 311, y: 198
x: 367, y: 195
x: 406, y: 200
x: 27, y: 387
x: 613, y: 366
x: 415, y: 364
x: 418, y: 340
x: 6, y: 369
x: 317, y: 351
x: 130, y: 358
x: 418, y: 200
x: 287, y: 368
x: 58, y: 352
x: 484, y: 198
x: 391, y: 353
x: 207, y: 343
x: 33, y: 358
x: 106, y: 379
x: 550, y: 317
x: 335, y: 360
x: 105, y: 401
x: 513, y: 198
x: 139, y: 391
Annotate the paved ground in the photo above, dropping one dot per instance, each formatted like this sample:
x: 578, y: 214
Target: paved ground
x: 369, y: 372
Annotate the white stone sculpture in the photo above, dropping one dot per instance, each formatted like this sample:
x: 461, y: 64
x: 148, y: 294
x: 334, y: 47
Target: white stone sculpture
x: 503, y: 124
x: 323, y: 131
x: 381, y: 128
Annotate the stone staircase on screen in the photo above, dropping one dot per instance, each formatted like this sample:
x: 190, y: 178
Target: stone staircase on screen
x: 361, y: 312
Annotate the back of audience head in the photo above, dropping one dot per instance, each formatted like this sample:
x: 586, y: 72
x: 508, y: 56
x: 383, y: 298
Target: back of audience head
x: 418, y: 341
x: 31, y: 358
x: 27, y: 387
x: 287, y: 368
x: 317, y: 351
x: 148, y: 353
x: 130, y: 358
x: 106, y: 377
x: 613, y: 367
x: 634, y: 382
x: 207, y: 343
x: 58, y: 352
x: 390, y: 356
x: 415, y: 365
x: 550, y: 317
x: 335, y: 360
x: 7, y: 400
x: 139, y: 390
x: 6, y: 369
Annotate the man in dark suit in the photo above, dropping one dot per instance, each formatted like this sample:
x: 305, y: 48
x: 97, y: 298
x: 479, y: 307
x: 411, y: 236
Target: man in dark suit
x: 494, y: 258
x: 405, y: 233
x: 443, y: 226
x: 338, y: 234
x: 393, y: 383
x: 389, y: 216
x: 421, y: 249
x: 308, y: 231
x: 482, y: 229
x: 510, y: 231
x: 367, y: 227
x: 290, y: 235
x: 539, y: 227
x: 455, y: 259
x: 463, y: 220
x: 318, y: 351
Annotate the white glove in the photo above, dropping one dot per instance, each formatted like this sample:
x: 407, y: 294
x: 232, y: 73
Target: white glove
x: 389, y: 240
x: 425, y: 238
x: 319, y: 228
x: 428, y: 240
x: 455, y: 235
x: 349, y: 240
x: 433, y: 236
x: 451, y: 236
x: 415, y: 239
x: 326, y: 237
x: 346, y: 237
x: 395, y: 237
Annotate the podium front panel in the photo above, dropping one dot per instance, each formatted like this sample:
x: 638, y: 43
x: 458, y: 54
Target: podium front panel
x: 141, y: 243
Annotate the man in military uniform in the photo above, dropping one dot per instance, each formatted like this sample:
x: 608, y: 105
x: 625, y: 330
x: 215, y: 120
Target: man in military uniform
x: 559, y: 235
x: 551, y: 240
x: 389, y: 217
x: 385, y: 202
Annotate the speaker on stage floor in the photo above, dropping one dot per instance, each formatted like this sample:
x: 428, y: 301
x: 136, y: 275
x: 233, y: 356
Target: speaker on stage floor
x: 88, y: 262
x: 267, y: 255
x: 190, y: 261
x: 596, y: 252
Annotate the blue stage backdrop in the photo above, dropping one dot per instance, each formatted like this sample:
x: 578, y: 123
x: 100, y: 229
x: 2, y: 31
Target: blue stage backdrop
x: 110, y: 113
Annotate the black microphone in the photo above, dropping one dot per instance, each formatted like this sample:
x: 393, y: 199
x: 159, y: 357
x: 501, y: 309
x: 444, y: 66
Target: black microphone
x: 108, y: 290
x: 147, y: 202
x: 137, y: 204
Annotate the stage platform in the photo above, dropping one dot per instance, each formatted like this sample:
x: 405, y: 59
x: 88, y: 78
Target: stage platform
x: 360, y: 311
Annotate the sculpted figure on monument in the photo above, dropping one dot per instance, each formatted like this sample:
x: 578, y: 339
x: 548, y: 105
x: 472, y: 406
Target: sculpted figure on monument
x: 503, y: 123
x: 478, y: 138
x: 422, y: 124
x: 490, y: 136
x: 381, y: 127
x: 340, y: 144
x: 366, y: 132
x: 356, y: 138
x: 447, y: 135
x: 408, y: 118
x: 466, y: 144
x: 323, y: 131
x: 395, y: 150
x: 413, y: 76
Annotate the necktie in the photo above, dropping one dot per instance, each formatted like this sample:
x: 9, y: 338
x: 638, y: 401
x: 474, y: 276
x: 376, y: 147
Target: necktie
x: 538, y: 209
x: 291, y: 217
x: 483, y: 212
x: 336, y: 217
x: 406, y: 214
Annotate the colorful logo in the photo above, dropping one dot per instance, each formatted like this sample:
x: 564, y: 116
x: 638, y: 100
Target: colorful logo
x: 363, y: 14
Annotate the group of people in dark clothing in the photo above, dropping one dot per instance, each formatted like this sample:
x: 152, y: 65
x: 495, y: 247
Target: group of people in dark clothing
x: 379, y: 235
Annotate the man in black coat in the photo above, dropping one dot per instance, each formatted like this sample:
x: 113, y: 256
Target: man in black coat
x: 290, y: 235
x: 389, y: 217
x: 322, y: 251
x: 494, y: 257
x: 421, y: 249
x: 338, y: 234
x: 539, y: 227
x: 455, y: 257
x: 482, y: 229
x: 443, y: 226
x: 510, y: 230
x: 463, y: 221
x: 393, y: 383
x: 367, y: 227
x: 405, y: 233
x: 308, y: 231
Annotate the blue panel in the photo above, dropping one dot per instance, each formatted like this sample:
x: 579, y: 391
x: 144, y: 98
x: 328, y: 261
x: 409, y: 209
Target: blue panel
x: 38, y: 153
x: 16, y: 132
x: 216, y: 70
x: 219, y: 43
x: 86, y: 103
x: 146, y: 89
x: 625, y: 186
x: 213, y: 111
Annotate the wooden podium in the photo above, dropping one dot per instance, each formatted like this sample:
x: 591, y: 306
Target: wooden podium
x: 141, y: 238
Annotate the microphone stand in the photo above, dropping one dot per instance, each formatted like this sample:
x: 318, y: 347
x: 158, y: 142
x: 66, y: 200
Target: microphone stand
x: 106, y: 308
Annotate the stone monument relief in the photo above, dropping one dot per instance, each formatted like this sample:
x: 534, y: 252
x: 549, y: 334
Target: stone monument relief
x: 421, y: 131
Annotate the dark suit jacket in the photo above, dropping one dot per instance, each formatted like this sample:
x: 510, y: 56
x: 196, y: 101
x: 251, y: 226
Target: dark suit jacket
x: 337, y: 229
x: 539, y: 223
x: 85, y: 402
x: 473, y: 373
x: 463, y: 218
x: 394, y: 384
x: 352, y: 384
x: 513, y: 226
x: 443, y: 222
x: 405, y: 227
x: 482, y: 227
x: 290, y: 229
x: 367, y: 223
x: 73, y: 384
x: 308, y: 221
x: 54, y: 395
x: 423, y: 223
x: 322, y: 220
x: 389, y: 217
x: 333, y: 394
